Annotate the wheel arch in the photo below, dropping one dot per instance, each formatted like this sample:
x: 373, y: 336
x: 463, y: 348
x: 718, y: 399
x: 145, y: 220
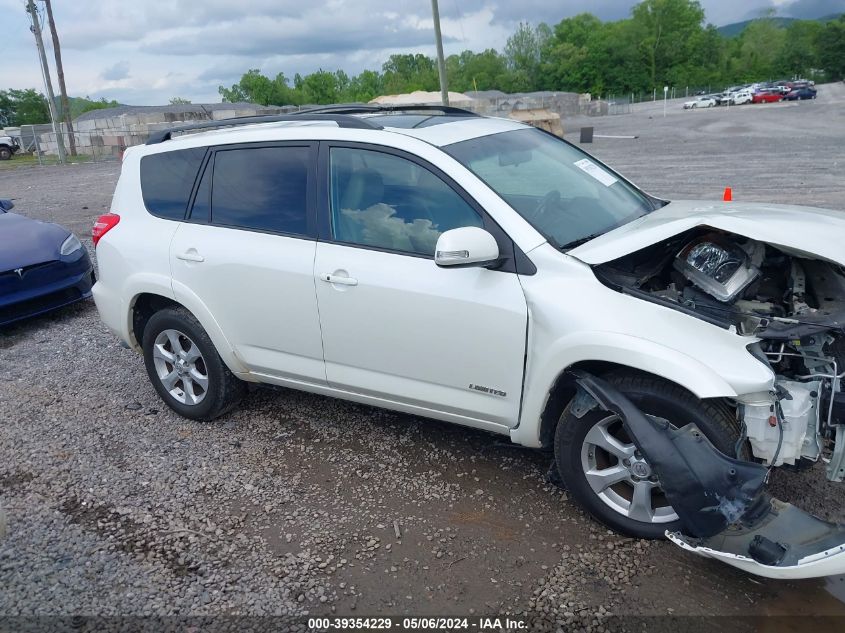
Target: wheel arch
x: 564, y: 389
x: 144, y: 304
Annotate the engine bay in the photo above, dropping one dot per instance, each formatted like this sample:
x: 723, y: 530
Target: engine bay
x: 792, y: 308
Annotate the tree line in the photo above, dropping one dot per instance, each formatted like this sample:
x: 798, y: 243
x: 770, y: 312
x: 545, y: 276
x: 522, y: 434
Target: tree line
x: 663, y: 43
x: 29, y: 107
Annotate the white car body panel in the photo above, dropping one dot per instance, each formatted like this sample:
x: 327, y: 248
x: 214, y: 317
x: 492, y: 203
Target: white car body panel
x: 246, y: 276
x: 705, y: 359
x: 415, y: 333
x: 805, y: 231
x: 135, y: 267
x: 828, y: 563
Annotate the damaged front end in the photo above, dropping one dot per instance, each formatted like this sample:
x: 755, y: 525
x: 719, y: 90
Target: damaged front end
x: 790, y: 306
x: 724, y: 509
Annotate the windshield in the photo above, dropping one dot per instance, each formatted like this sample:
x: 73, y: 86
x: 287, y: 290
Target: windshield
x: 567, y: 196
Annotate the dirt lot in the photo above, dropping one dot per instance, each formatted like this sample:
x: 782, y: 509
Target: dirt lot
x: 302, y: 504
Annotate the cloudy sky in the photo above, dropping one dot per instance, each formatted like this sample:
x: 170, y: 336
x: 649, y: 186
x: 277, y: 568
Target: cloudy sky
x: 147, y: 51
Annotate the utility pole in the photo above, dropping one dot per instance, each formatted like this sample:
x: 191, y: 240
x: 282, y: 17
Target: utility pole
x: 60, y: 71
x: 45, y: 69
x: 441, y: 63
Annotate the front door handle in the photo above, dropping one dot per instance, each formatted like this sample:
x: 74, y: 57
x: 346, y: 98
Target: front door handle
x: 336, y: 279
x: 190, y: 255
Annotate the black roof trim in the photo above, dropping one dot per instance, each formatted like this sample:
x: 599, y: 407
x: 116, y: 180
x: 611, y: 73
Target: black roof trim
x: 341, y: 119
x: 369, y: 108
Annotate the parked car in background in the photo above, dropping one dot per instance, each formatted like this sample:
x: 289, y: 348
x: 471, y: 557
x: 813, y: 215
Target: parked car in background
x: 800, y: 94
x: 767, y: 96
x: 482, y: 272
x: 43, y: 266
x: 701, y: 102
x: 741, y: 97
x: 8, y: 147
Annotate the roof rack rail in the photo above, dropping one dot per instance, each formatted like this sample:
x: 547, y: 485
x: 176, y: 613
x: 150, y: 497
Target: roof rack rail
x: 370, y: 108
x: 342, y: 120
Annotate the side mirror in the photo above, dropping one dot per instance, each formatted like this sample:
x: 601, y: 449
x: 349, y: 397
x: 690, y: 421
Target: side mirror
x: 6, y: 205
x: 467, y: 246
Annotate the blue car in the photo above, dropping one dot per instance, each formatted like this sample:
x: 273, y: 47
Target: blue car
x: 43, y: 266
x: 800, y: 94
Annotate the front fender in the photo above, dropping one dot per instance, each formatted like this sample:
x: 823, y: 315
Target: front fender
x: 737, y: 368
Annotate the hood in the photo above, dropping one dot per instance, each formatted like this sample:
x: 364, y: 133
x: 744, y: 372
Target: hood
x: 800, y: 231
x: 24, y: 242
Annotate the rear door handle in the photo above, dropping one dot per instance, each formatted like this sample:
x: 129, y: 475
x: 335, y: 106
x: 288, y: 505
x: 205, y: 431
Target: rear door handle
x: 336, y: 279
x: 190, y: 255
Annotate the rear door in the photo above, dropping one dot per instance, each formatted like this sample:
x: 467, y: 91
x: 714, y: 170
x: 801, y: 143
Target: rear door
x: 247, y: 252
x: 395, y: 326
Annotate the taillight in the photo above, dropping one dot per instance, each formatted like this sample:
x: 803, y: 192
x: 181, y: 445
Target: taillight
x: 103, y: 225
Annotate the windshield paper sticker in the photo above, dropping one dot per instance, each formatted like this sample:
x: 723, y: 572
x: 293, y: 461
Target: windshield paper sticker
x: 596, y: 172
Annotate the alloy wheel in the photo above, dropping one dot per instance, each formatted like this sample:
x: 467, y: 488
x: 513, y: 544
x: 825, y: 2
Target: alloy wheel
x: 620, y: 476
x: 180, y: 367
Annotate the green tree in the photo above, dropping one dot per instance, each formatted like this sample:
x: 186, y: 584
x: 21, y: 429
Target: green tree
x: 761, y: 46
x: 179, y: 101
x: 831, y: 49
x: 476, y: 71
x: 665, y: 28
x: 81, y: 105
x: 523, y: 52
x: 365, y: 86
x: 407, y: 72
x: 320, y: 87
x: 799, y: 55
x: 23, y: 107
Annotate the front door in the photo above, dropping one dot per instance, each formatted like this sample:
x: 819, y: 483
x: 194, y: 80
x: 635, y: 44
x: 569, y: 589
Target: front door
x: 397, y: 327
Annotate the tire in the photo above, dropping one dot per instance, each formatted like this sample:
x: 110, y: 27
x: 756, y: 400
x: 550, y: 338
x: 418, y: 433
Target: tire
x: 192, y: 380
x: 5, y: 153
x: 576, y: 454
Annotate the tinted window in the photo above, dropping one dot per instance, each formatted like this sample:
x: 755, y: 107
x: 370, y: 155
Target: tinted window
x: 389, y: 202
x: 167, y: 180
x: 263, y: 189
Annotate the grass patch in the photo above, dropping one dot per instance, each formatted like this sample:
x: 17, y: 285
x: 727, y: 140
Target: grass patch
x: 27, y: 160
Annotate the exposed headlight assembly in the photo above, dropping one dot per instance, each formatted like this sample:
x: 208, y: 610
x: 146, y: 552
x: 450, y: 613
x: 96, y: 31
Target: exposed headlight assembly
x: 720, y: 269
x: 70, y: 245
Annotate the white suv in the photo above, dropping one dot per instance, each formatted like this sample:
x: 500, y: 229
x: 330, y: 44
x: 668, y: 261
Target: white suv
x: 486, y: 273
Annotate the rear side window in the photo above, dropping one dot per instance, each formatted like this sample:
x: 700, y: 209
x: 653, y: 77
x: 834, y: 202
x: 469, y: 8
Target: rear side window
x: 263, y: 189
x: 167, y: 180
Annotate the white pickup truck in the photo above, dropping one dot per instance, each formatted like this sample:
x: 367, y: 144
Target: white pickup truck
x: 8, y: 147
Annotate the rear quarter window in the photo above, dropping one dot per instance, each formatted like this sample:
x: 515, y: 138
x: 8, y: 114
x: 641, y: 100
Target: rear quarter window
x: 167, y: 180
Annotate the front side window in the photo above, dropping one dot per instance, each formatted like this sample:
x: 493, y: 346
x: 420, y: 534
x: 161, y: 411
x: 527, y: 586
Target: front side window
x: 560, y: 190
x: 167, y: 179
x: 389, y: 202
x: 263, y: 189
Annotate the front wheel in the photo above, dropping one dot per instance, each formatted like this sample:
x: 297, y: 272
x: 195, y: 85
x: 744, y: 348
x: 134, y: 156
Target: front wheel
x: 5, y: 153
x: 606, y: 473
x: 185, y: 368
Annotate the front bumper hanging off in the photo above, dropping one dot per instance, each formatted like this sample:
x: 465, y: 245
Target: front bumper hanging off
x: 724, y: 509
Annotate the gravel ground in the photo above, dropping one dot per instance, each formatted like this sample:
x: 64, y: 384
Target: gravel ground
x: 298, y: 504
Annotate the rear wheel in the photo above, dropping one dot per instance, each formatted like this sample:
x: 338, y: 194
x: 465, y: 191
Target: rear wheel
x: 5, y: 153
x: 606, y: 473
x: 185, y: 368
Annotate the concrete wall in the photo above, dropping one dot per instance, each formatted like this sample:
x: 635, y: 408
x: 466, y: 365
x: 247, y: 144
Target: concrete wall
x: 109, y: 136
